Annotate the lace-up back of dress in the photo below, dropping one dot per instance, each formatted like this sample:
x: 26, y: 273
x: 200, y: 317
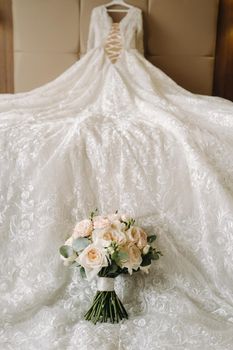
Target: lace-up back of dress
x: 113, y: 44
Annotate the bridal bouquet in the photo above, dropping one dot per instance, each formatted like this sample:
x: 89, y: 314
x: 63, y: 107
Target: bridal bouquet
x: 107, y: 246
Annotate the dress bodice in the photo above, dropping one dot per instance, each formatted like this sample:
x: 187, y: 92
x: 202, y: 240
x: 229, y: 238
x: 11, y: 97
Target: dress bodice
x: 130, y: 29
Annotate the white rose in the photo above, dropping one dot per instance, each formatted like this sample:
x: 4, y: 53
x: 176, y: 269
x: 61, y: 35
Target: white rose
x: 134, y: 257
x: 101, y: 222
x: 83, y: 229
x: 92, y: 258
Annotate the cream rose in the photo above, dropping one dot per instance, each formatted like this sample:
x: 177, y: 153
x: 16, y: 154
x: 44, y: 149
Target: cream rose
x: 83, y: 229
x: 134, y: 259
x: 92, y: 258
x: 106, y: 236
x: 119, y: 237
x: 115, y: 222
x: 137, y: 236
x: 103, y: 237
x: 101, y: 222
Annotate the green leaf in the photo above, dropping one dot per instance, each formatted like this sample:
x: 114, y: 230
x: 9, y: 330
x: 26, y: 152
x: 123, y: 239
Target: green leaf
x: 156, y: 255
x: 80, y: 244
x: 93, y: 213
x: 122, y: 256
x: 124, y: 222
x: 82, y: 272
x: 151, y: 239
x: 114, y: 256
x: 112, y: 268
x: 118, y: 257
x: 146, y: 260
x: 75, y: 264
x: 128, y: 223
x: 66, y: 251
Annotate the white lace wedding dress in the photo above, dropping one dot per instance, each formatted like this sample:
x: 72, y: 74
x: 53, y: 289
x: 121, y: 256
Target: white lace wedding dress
x: 114, y: 132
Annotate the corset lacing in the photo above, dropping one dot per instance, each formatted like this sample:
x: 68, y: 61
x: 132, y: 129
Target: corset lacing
x: 113, y: 45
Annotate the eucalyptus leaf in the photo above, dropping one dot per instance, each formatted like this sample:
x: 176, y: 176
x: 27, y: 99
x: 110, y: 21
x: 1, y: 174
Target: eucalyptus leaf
x: 75, y: 264
x: 82, y: 272
x: 114, y: 256
x: 66, y: 251
x: 80, y: 244
x: 123, y: 256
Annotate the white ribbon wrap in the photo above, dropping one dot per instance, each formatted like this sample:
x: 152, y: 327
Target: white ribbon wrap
x: 105, y: 284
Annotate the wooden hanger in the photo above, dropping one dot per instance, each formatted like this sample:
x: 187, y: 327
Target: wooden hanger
x: 118, y: 2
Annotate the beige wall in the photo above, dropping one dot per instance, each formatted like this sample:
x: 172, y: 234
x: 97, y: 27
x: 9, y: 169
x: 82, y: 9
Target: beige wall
x: 50, y: 35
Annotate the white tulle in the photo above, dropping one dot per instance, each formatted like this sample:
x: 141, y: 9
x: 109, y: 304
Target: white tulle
x: 116, y: 136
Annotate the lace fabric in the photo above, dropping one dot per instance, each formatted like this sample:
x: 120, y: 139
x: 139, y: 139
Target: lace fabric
x: 116, y: 136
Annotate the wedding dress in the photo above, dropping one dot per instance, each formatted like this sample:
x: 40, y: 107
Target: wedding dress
x: 114, y: 132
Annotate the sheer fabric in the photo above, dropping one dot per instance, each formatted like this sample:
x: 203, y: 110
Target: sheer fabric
x: 116, y: 136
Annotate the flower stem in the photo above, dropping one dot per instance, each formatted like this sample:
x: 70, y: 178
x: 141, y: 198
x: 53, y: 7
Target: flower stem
x: 106, y: 307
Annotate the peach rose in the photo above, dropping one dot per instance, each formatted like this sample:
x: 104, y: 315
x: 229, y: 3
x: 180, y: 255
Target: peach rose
x: 142, y: 242
x: 119, y: 237
x: 134, y: 259
x: 137, y: 236
x: 83, y: 229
